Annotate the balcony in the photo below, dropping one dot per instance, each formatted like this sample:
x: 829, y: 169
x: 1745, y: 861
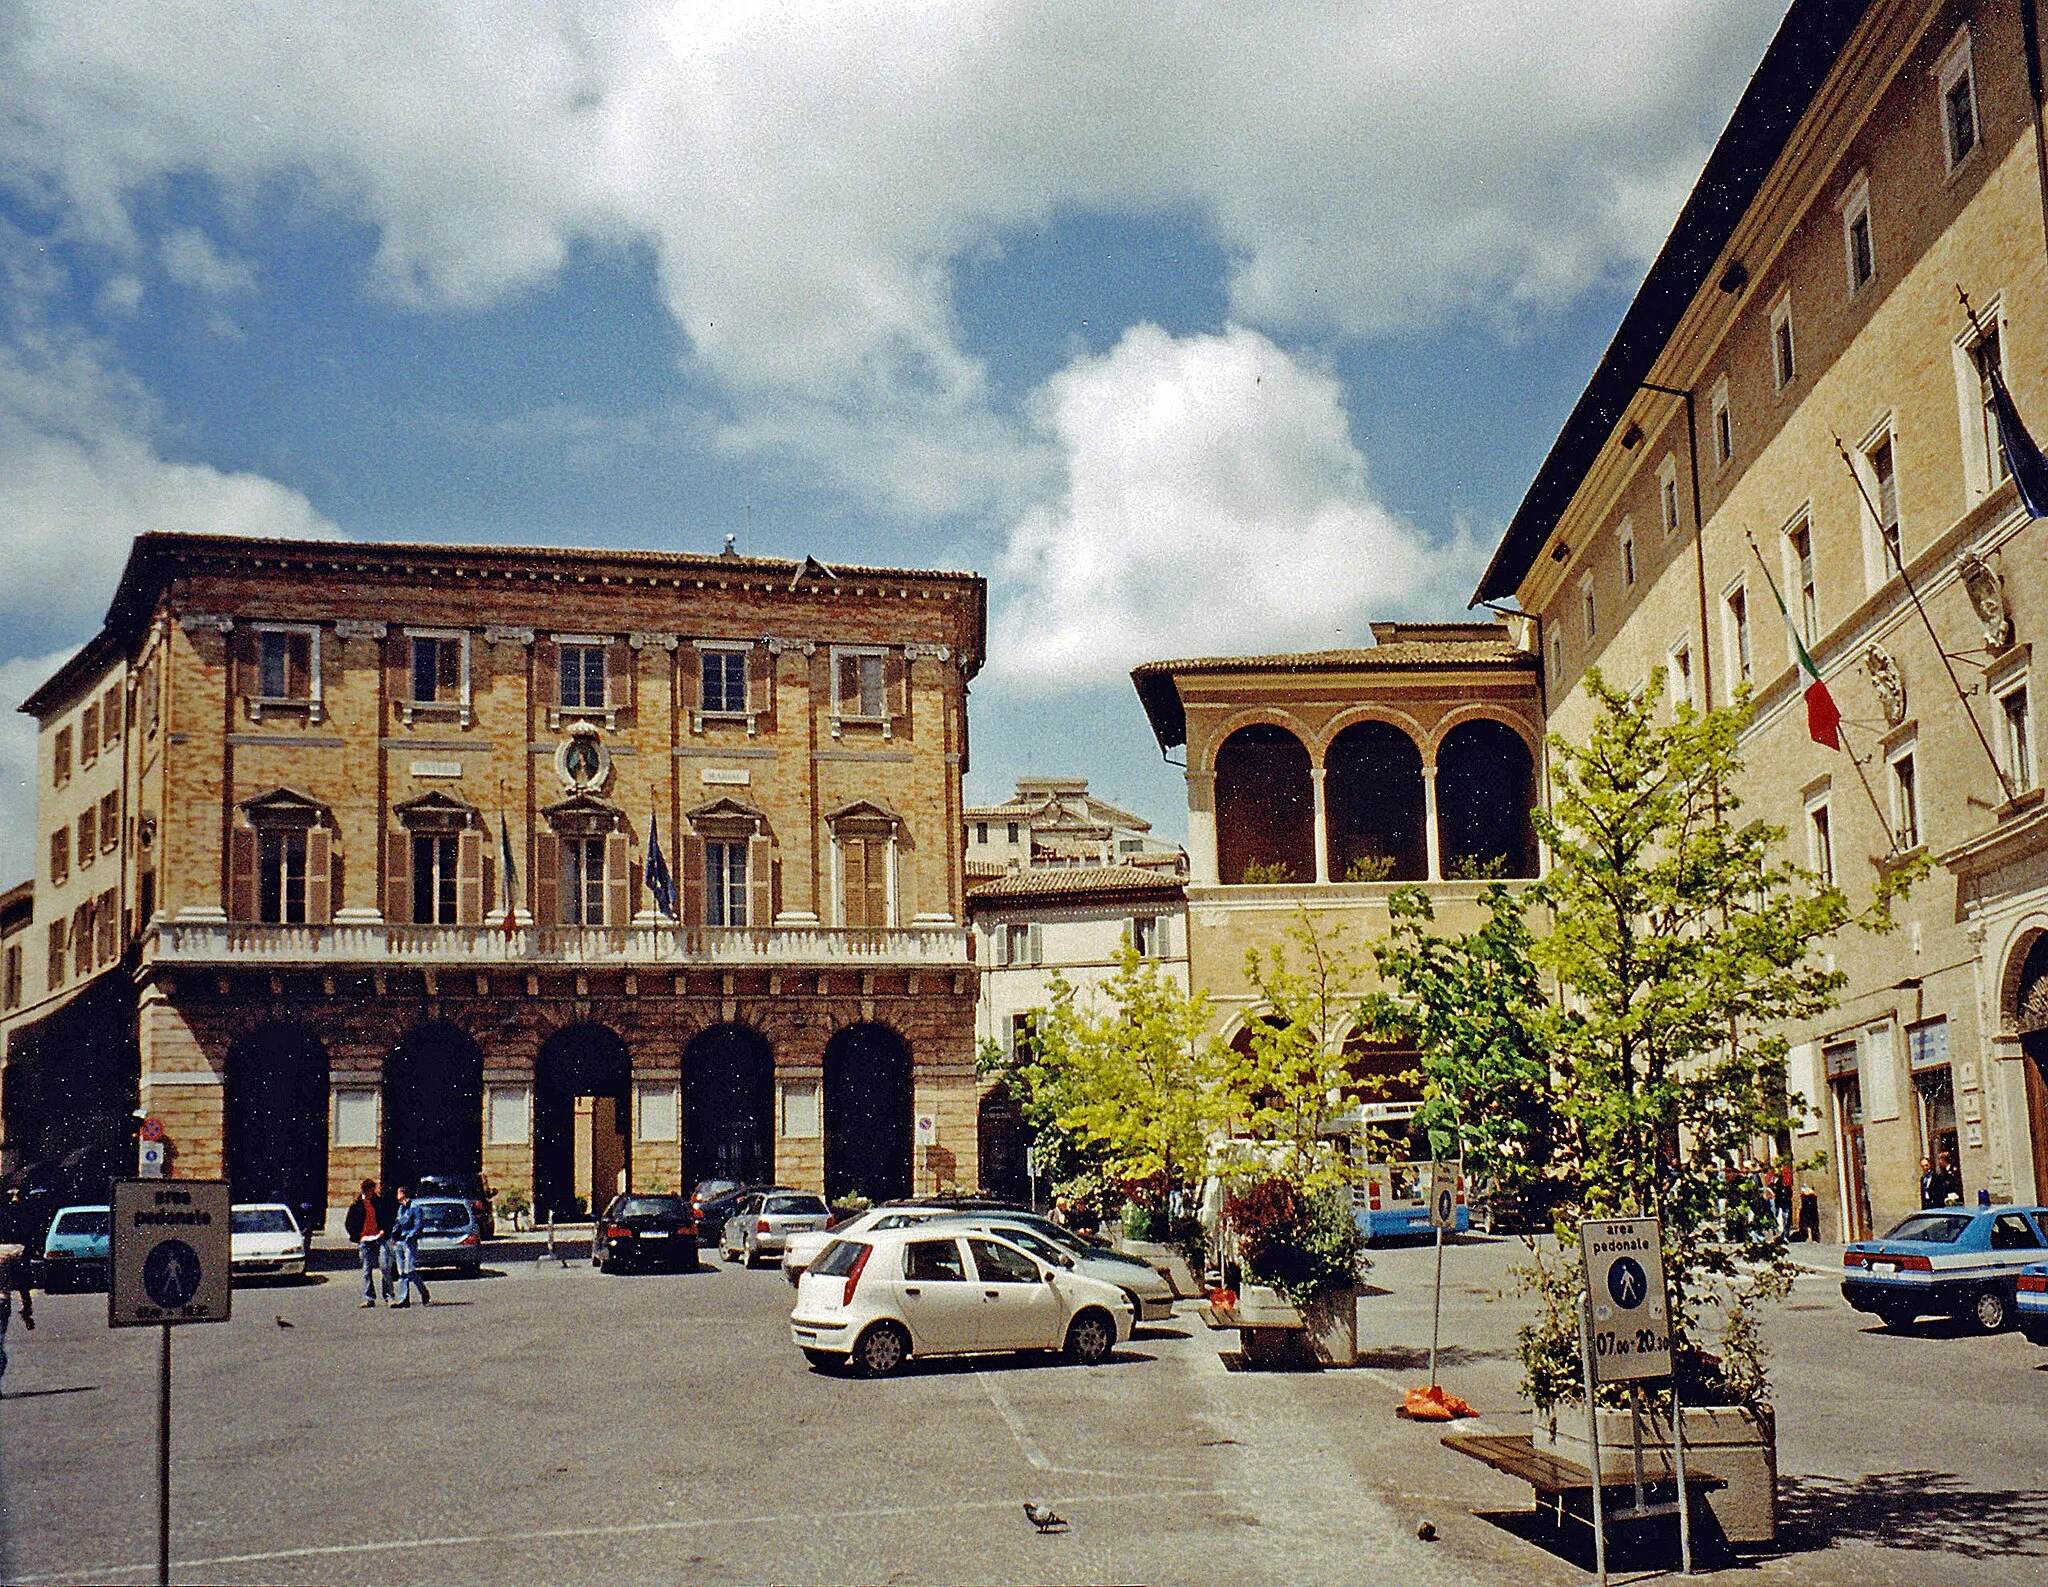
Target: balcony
x: 170, y: 944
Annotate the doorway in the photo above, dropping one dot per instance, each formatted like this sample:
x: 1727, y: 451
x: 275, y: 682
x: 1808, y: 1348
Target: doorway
x: 582, y: 1116
x: 433, y: 1105
x: 867, y: 1114
x: 1846, y: 1093
x: 728, y: 1107
x: 277, y: 1120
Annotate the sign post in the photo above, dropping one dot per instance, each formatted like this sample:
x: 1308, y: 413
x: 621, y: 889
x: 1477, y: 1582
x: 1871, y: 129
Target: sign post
x: 1443, y: 1214
x: 1625, y: 1336
x: 169, y: 1254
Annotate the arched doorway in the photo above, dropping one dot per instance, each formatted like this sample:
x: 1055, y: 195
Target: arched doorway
x: 1373, y: 797
x: 276, y: 1124
x: 867, y: 1113
x: 433, y: 1105
x: 728, y: 1106
x: 1484, y: 788
x: 2030, y: 1019
x: 582, y: 1119
x: 1265, y: 810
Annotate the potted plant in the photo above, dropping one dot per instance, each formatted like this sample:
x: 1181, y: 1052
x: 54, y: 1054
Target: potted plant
x: 1305, y: 1248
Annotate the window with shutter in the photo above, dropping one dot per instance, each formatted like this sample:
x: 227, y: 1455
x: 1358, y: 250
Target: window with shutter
x: 278, y: 666
x: 860, y: 687
x: 281, y: 876
x: 319, y: 877
x: 107, y: 918
x: 110, y: 715
x: 89, y: 736
x: 469, y: 879
x: 242, y: 874
x: 725, y: 883
x: 436, y: 878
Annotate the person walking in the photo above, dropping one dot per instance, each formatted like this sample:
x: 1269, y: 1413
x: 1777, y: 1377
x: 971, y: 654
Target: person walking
x: 405, y: 1250
x: 367, y: 1225
x: 13, y: 1281
x: 1781, y: 1199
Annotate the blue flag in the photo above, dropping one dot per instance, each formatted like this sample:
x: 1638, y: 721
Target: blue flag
x: 2023, y: 459
x: 658, y: 881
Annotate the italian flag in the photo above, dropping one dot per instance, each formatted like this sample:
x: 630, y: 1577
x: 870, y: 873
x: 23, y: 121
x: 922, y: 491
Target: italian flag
x: 1823, y: 721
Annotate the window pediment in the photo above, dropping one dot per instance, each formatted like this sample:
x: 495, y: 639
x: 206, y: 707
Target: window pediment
x: 285, y: 808
x: 435, y: 812
x: 727, y: 819
x: 865, y: 818
x: 584, y: 816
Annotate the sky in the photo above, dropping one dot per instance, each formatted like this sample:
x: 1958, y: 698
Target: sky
x: 1196, y: 329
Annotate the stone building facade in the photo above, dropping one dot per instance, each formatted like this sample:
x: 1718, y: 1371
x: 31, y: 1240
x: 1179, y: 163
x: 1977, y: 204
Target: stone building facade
x: 329, y: 754
x: 1798, y: 396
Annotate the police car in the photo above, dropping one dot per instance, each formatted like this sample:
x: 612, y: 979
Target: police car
x: 2031, y: 1298
x: 1949, y: 1262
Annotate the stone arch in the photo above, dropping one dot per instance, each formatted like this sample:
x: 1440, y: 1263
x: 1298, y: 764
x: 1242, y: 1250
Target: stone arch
x: 2023, y: 1008
x: 868, y: 1103
x: 433, y: 1104
x: 1485, y: 787
x: 276, y: 1118
x: 728, y: 1105
x: 1433, y: 741
x: 1246, y: 716
x: 1372, y: 792
x: 1265, y: 805
x: 1369, y: 711
x: 581, y: 1060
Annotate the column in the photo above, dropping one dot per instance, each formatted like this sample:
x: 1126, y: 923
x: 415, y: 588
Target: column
x: 1315, y: 778
x: 1202, y: 864
x: 1429, y: 830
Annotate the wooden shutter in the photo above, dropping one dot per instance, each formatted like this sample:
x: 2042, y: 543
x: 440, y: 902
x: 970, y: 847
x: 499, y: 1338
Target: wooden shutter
x: 853, y: 881
x: 690, y: 686
x: 544, y: 887
x: 999, y: 943
x: 896, y: 688
x: 618, y: 879
x: 319, y: 876
x: 1035, y: 936
x: 398, y: 689
x: 761, y: 687
x: 760, y: 881
x: 241, y: 874
x: 691, y: 856
x: 620, y: 675
x: 547, y: 679
x: 878, y: 882
x: 469, y: 879
x: 242, y: 667
x: 398, y: 878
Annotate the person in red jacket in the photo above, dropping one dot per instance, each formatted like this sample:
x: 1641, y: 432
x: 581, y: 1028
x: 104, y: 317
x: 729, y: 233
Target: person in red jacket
x: 368, y: 1223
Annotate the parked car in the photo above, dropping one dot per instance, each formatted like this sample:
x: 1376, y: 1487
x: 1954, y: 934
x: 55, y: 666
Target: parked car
x: 874, y: 1302
x: 713, y: 1209
x: 645, y: 1231
x: 801, y: 1249
x: 75, y: 1249
x: 1947, y: 1261
x: 449, y: 1236
x: 264, y: 1239
x: 464, y: 1187
x: 2031, y: 1302
x: 766, y: 1220
x: 1150, y: 1295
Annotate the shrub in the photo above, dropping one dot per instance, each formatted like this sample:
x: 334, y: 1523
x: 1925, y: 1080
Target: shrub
x: 1302, y: 1245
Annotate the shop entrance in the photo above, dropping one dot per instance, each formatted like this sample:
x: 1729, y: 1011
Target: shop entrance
x: 582, y: 1121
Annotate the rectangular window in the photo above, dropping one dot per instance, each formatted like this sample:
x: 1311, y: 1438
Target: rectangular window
x: 110, y: 926
x: 1736, y: 605
x: 1884, y: 496
x: 60, y: 758
x: 1022, y: 1041
x: 1927, y: 1045
x: 89, y: 736
x: 1858, y: 250
x: 1557, y: 658
x: 582, y: 676
x: 1678, y: 680
x: 281, y: 876
x: 435, y: 856
x: 1784, y: 366
x: 1017, y: 946
x: 1013, y: 831
x: 725, y: 682
x: 725, y: 883
x: 82, y: 939
x: 1958, y: 101
x: 88, y: 835
x: 110, y: 821
x: 1820, y: 842
x: 1988, y: 356
x: 1723, y: 425
x: 60, y: 856
x: 1586, y: 607
x: 862, y: 685
x: 582, y: 881
x: 1628, y: 553
x: 60, y: 937
x: 2017, y: 728
x: 1148, y: 936
x: 981, y: 832
x: 150, y: 694
x: 436, y: 670
x: 1667, y: 494
x: 110, y: 715
x: 1905, y: 801
x: 284, y: 664
x: 10, y: 993
x: 864, y: 881
x: 1799, y: 563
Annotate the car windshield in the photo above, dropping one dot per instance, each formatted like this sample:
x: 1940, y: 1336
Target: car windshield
x: 795, y: 1205
x: 1034, y: 1243
x: 443, y: 1215
x: 91, y: 1221
x: 652, y: 1207
x: 448, y: 1185
x: 1941, y: 1228
x: 837, y: 1259
x: 261, y: 1220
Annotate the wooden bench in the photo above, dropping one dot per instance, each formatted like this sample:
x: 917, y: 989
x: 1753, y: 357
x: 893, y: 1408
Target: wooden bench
x: 1565, y: 1486
x: 1266, y: 1338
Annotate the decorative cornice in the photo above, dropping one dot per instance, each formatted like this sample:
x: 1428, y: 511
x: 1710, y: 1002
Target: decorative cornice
x: 780, y: 646
x: 501, y: 634
x: 649, y: 641
x: 192, y: 622
x: 359, y: 628
x: 928, y: 652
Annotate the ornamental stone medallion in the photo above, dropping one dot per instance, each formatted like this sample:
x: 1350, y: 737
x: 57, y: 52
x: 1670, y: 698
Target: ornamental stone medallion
x: 582, y: 761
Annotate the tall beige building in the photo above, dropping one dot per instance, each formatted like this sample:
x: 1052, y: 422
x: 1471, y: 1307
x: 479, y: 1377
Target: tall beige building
x: 1797, y: 394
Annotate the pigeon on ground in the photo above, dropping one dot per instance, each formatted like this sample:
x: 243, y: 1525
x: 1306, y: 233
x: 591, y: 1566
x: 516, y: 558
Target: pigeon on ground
x: 1425, y: 1531
x: 283, y: 1324
x: 1046, y: 1520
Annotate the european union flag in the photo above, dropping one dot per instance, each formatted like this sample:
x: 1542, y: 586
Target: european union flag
x: 658, y: 880
x: 2023, y: 459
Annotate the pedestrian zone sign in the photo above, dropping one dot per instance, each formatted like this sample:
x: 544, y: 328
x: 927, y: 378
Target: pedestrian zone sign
x: 1443, y: 1196
x: 169, y: 1252
x: 1630, y: 1330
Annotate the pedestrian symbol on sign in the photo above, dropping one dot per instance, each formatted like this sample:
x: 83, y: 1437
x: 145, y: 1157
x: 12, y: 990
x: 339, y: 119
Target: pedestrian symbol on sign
x: 170, y: 1274
x: 1627, y: 1282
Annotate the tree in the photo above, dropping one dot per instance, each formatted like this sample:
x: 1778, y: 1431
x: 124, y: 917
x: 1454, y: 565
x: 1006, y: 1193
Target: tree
x: 1681, y: 941
x: 1474, y: 1008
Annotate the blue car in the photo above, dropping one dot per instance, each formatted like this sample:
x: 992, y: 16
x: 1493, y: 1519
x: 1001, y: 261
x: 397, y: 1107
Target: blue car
x: 75, y: 1249
x: 2031, y: 1296
x: 1948, y: 1262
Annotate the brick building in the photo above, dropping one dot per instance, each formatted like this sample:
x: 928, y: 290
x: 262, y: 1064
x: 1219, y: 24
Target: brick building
x: 308, y: 766
x: 1797, y: 395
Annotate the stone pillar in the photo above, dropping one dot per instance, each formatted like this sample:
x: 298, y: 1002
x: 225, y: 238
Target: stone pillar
x: 1315, y: 777
x: 1202, y: 862
x: 1430, y: 835
x: 183, y: 1079
x: 800, y: 1107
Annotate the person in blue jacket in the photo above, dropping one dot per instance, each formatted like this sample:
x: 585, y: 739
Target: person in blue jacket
x: 405, y: 1247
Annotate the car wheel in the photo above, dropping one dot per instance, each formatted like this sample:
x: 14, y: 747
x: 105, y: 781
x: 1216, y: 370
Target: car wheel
x: 824, y: 1360
x: 1992, y: 1312
x: 880, y: 1351
x: 1090, y: 1338
x: 1896, y: 1318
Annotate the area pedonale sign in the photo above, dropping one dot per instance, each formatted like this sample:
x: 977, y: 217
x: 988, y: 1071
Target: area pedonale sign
x: 169, y: 1252
x: 1630, y: 1330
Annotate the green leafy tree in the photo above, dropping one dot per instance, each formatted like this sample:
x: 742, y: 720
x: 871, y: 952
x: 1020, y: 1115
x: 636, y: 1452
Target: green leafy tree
x: 1474, y: 1008
x: 1681, y: 941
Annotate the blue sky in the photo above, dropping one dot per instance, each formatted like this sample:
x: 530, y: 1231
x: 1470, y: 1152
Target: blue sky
x: 1197, y: 332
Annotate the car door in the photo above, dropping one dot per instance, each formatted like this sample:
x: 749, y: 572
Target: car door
x: 939, y: 1298
x: 2014, y: 1242
x: 1019, y: 1310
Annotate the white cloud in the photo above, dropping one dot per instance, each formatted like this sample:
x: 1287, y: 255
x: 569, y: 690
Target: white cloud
x: 1215, y: 504
x: 807, y: 171
x: 191, y: 259
x: 18, y: 679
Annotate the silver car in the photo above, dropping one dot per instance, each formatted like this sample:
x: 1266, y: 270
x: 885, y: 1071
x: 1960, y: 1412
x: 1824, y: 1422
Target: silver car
x: 1151, y: 1297
x: 765, y: 1221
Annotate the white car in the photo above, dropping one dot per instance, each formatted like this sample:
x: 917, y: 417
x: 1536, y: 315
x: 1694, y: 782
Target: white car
x: 802, y: 1249
x: 873, y: 1302
x: 1151, y: 1297
x: 264, y: 1240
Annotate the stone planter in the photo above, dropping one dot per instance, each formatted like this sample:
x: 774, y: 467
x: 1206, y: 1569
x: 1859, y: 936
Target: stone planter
x: 1167, y: 1262
x: 1735, y: 1443
x: 1285, y: 1348
x: 1332, y: 1321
